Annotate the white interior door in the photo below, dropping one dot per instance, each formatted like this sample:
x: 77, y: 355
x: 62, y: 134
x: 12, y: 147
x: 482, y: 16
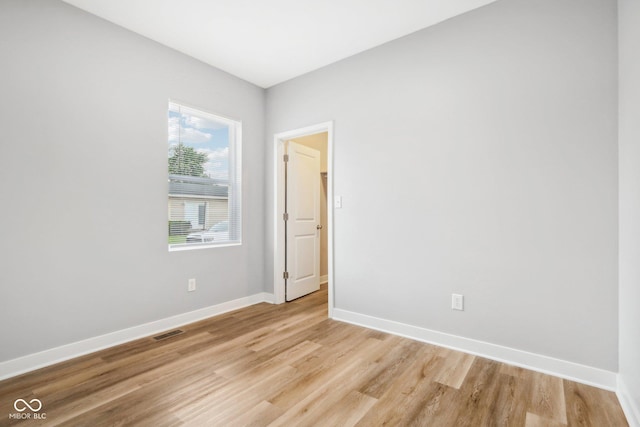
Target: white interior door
x: 303, y: 224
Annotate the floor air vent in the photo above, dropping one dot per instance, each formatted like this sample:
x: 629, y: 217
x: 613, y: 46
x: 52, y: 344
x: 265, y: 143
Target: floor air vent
x: 168, y: 335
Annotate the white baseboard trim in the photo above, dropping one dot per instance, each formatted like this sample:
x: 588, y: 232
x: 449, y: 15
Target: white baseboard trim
x: 324, y: 279
x: 535, y: 362
x: 631, y: 410
x: 30, y: 362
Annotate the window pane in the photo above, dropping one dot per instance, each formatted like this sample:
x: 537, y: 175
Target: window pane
x: 204, y: 187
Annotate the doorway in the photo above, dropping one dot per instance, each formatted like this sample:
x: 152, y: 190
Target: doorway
x: 318, y: 137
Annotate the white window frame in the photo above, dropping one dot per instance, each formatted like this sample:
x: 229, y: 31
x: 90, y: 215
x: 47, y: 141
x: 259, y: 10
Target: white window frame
x: 234, y: 195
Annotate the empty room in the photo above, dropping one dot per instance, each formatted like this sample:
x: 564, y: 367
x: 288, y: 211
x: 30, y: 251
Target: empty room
x: 320, y: 213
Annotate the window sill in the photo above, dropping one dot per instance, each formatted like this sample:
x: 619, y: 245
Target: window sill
x: 203, y: 246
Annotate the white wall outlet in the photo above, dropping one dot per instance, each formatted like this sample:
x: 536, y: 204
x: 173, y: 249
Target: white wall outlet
x: 338, y: 202
x: 457, y: 302
x: 192, y: 285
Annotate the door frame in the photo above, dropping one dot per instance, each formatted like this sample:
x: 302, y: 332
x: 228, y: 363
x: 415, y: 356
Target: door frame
x: 279, y: 140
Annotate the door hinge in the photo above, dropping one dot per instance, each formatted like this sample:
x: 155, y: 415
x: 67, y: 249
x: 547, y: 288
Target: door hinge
x: 285, y: 275
x: 286, y: 157
x: 285, y: 216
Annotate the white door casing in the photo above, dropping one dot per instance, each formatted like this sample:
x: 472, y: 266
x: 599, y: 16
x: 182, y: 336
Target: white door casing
x: 303, y: 233
x: 278, y: 224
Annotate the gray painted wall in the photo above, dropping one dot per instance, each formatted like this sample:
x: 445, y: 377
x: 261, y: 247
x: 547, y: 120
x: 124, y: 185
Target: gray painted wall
x: 494, y: 137
x: 493, y: 134
x: 629, y: 30
x: 83, y: 175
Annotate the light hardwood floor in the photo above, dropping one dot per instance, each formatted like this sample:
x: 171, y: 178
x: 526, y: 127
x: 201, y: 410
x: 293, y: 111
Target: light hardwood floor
x: 288, y: 365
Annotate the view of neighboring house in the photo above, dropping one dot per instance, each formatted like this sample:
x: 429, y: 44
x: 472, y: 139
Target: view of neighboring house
x: 203, y: 202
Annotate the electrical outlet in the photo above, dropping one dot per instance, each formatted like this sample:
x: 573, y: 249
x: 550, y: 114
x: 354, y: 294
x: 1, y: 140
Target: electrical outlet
x: 192, y: 285
x: 457, y: 302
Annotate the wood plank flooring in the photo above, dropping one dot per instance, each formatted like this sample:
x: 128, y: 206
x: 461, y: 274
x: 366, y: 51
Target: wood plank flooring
x: 288, y: 365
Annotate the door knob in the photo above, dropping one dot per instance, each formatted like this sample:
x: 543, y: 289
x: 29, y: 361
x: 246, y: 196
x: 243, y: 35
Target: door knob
x: 318, y: 227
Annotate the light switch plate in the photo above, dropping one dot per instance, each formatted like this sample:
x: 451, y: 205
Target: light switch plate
x: 457, y: 302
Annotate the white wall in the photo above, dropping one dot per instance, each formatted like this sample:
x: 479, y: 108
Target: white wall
x: 83, y: 175
x: 629, y: 158
x: 493, y: 135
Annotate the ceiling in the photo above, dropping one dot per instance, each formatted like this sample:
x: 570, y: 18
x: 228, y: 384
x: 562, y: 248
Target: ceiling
x: 269, y: 41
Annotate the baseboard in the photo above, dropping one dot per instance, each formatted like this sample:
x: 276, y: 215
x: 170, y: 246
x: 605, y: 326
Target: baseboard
x: 631, y: 410
x: 536, y: 362
x: 324, y: 279
x: 44, y: 358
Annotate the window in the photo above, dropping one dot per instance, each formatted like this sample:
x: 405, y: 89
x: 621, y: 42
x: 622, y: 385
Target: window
x: 204, y: 179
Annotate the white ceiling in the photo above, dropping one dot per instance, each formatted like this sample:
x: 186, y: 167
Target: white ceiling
x: 269, y: 41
